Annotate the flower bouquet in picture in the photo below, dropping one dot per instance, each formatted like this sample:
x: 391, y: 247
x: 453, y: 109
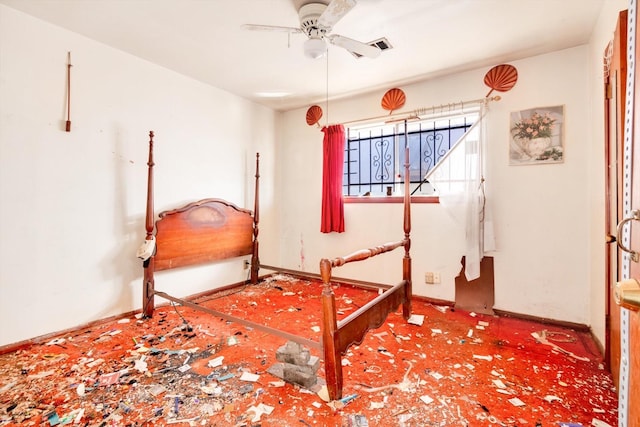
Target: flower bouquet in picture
x: 536, y: 136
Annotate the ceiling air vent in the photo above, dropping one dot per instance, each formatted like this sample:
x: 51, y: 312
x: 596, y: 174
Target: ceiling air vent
x: 382, y: 44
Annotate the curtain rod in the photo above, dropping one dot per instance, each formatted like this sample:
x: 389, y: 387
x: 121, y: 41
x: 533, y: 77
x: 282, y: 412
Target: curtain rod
x: 426, y: 110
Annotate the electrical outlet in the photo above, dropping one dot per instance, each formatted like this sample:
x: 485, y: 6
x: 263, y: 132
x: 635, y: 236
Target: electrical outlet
x: 436, y: 277
x: 246, y: 264
x: 428, y: 278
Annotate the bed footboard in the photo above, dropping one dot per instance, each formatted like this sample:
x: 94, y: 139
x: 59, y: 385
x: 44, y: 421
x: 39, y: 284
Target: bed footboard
x: 338, y: 336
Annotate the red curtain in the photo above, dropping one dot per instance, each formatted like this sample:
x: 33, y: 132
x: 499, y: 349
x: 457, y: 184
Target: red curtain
x: 333, y: 163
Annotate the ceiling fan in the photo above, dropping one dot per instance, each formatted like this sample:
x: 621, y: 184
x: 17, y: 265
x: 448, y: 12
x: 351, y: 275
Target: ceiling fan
x: 316, y: 21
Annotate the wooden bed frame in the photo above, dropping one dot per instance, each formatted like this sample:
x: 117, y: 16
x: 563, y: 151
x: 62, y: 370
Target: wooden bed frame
x: 210, y: 230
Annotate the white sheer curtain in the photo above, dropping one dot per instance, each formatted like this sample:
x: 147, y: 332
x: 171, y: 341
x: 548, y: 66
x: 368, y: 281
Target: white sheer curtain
x: 459, y: 179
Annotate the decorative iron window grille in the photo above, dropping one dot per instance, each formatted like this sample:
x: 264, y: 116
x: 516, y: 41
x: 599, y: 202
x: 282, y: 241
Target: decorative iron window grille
x: 374, y: 154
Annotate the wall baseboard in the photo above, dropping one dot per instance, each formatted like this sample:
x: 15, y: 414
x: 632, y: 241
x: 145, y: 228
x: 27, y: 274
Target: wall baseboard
x: 544, y: 320
x: 8, y: 348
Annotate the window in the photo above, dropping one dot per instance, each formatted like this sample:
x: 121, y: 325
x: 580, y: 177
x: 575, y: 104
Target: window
x: 374, y: 154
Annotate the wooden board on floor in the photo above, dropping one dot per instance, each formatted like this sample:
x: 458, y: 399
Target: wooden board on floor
x: 476, y: 295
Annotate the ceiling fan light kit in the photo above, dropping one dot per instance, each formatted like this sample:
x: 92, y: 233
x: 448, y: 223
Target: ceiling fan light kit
x: 315, y: 48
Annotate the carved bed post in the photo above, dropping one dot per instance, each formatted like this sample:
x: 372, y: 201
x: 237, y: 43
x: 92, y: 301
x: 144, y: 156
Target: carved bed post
x: 332, y: 356
x: 406, y: 261
x: 148, y: 282
x: 255, y: 260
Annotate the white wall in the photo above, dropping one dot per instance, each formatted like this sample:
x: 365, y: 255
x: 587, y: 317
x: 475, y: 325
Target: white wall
x: 544, y: 231
x: 542, y: 237
x: 73, y: 204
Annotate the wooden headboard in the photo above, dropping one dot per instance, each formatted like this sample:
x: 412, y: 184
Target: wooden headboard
x: 200, y: 232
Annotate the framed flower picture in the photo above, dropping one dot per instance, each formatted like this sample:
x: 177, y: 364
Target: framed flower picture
x: 536, y: 136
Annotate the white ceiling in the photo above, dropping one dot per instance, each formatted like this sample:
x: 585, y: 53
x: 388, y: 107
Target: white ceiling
x: 204, y: 39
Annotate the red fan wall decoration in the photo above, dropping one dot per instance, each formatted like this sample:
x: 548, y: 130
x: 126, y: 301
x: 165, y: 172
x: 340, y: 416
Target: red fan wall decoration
x: 314, y: 114
x: 501, y: 78
x: 393, y: 99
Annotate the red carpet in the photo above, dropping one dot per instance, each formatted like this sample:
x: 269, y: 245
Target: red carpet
x: 456, y: 369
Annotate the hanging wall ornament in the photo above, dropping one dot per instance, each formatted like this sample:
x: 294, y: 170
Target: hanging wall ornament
x: 501, y: 78
x: 314, y: 114
x: 68, y: 123
x: 393, y: 99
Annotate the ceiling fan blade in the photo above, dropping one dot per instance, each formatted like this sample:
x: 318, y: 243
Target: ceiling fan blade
x: 273, y: 28
x: 334, y: 12
x: 354, y: 46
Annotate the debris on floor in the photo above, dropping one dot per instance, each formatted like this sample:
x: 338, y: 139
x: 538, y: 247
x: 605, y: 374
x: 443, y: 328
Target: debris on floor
x: 297, y: 365
x: 185, y: 367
